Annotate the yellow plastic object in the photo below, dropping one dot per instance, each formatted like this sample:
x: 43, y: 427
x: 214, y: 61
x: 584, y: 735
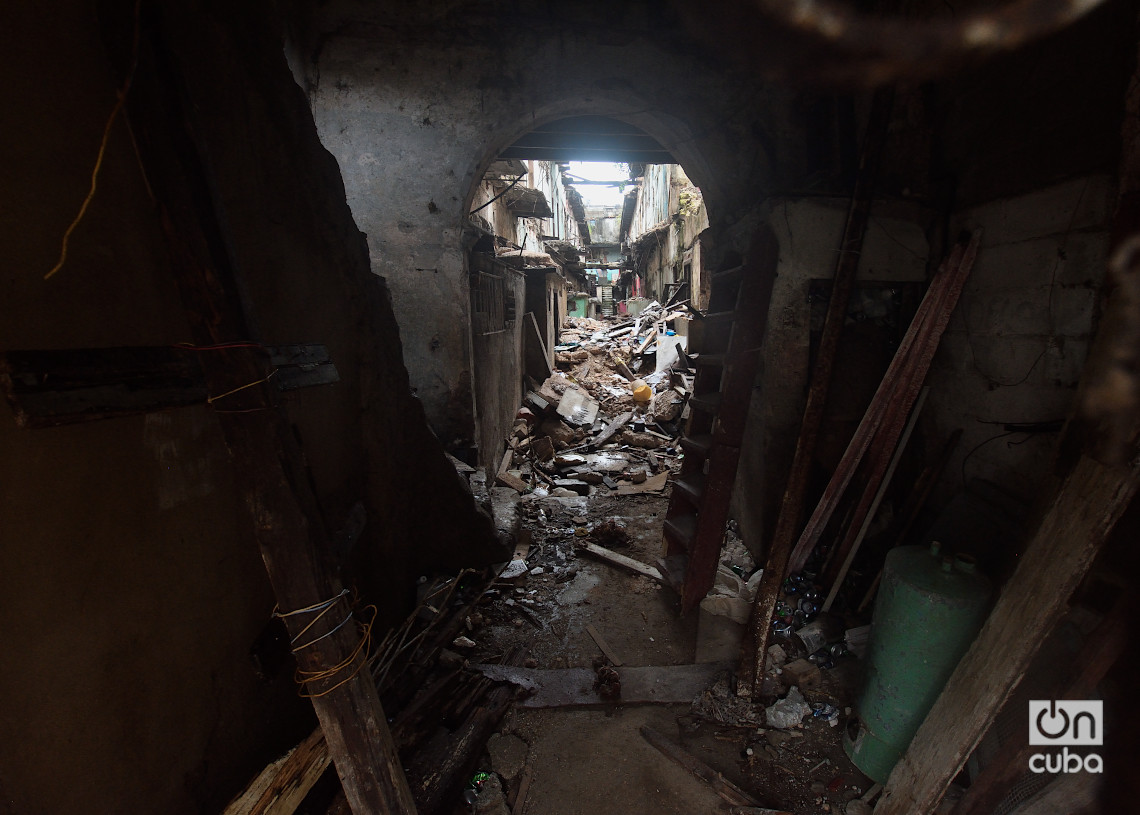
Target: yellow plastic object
x: 641, y: 392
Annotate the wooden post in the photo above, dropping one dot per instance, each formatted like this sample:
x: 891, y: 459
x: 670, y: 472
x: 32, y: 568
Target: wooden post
x: 266, y: 454
x: 847, y: 264
x: 1097, y: 655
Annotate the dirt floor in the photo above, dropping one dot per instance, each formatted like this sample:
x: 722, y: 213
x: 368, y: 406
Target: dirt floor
x: 594, y: 759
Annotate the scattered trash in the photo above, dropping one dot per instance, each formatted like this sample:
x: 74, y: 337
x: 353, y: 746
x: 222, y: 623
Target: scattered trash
x: 610, y: 534
x: 516, y: 568
x: 788, y: 712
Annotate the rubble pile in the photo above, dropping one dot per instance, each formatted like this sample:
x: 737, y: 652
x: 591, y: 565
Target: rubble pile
x: 610, y: 414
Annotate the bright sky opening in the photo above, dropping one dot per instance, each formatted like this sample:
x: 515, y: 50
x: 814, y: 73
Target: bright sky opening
x: 596, y: 194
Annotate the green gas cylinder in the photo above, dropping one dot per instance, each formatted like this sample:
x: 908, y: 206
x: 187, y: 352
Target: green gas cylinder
x: 929, y: 609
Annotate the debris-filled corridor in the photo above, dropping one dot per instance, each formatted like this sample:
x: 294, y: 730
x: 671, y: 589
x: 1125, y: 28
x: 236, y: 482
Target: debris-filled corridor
x: 500, y: 407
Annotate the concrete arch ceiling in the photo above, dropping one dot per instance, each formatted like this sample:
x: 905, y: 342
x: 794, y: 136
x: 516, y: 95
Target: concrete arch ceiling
x: 589, y: 138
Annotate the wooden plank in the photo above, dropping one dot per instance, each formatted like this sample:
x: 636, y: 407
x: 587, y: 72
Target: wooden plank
x: 785, y: 558
x: 897, y: 392
x: 1078, y: 516
x: 612, y: 428
x: 619, y: 560
x: 281, y: 787
x: 879, y: 489
x: 728, y: 791
x: 269, y: 466
x: 536, y: 358
x: 60, y: 387
x: 301, y: 366
x: 524, y: 787
x: 512, y: 481
x: 611, y: 655
x: 52, y: 388
x: 1097, y: 655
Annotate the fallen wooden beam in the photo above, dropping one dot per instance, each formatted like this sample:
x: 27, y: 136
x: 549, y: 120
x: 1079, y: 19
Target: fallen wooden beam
x: 1100, y: 651
x: 728, y: 791
x: 621, y: 561
x: 612, y: 428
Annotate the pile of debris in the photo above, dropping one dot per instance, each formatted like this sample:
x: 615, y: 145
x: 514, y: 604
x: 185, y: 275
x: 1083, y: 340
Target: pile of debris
x: 611, y: 412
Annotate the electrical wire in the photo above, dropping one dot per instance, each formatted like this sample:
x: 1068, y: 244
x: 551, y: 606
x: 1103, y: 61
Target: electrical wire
x: 497, y: 197
x: 122, y: 98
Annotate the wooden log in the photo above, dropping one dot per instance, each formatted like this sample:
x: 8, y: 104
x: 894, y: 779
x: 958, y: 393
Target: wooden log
x: 269, y: 465
x: 1078, y: 516
x: 728, y: 791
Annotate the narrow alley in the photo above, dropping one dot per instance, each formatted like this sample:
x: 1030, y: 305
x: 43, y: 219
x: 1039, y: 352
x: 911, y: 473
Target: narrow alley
x: 574, y: 407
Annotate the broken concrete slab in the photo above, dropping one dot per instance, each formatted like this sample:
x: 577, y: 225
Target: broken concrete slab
x: 577, y: 407
x: 573, y: 484
x: 574, y: 687
x: 559, y: 433
x: 654, y: 484
x: 508, y: 754
x: 543, y: 448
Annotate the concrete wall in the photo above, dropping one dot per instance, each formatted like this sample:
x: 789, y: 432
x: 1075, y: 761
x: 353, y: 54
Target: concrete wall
x: 1014, y: 349
x: 809, y: 232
